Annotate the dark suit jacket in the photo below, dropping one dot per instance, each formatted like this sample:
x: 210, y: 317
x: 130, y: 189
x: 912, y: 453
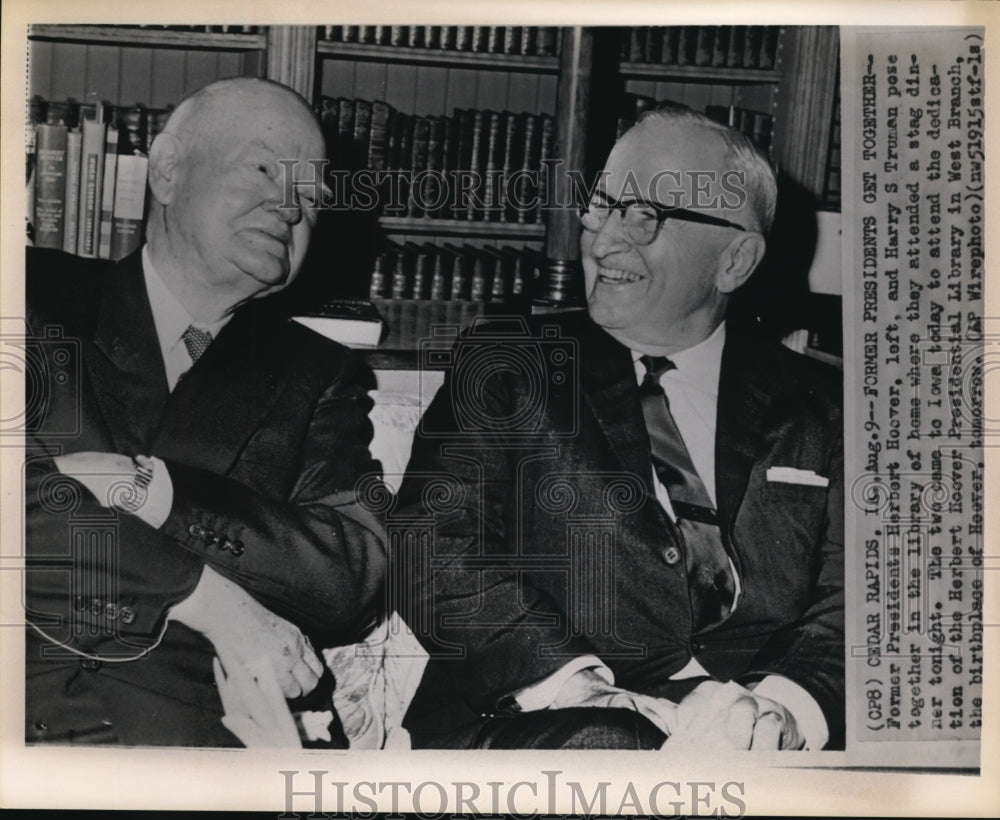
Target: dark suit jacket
x: 548, y: 543
x: 264, y: 439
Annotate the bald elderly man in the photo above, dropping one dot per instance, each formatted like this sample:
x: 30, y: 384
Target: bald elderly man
x: 190, y: 490
x: 642, y: 537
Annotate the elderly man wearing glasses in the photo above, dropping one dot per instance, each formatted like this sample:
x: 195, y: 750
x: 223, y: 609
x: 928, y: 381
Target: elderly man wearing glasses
x: 635, y: 513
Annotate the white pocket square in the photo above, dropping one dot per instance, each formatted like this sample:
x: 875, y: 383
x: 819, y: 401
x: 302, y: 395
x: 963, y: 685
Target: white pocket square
x: 793, y: 475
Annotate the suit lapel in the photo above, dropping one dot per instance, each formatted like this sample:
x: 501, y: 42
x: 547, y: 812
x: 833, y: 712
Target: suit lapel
x: 746, y: 391
x: 610, y: 388
x: 127, y: 370
x: 223, y: 399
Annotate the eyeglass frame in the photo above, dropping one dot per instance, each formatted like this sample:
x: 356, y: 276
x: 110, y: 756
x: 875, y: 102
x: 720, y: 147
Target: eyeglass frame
x: 663, y: 213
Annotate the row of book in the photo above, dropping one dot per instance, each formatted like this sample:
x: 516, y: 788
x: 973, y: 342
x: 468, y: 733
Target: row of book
x: 493, y: 146
x: 526, y: 40
x: 758, y: 125
x: 87, y: 181
x: 214, y: 29
x: 709, y: 46
x: 453, y: 272
x: 137, y: 124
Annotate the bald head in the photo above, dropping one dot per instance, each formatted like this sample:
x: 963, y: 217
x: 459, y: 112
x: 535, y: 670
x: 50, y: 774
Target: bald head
x: 232, y: 205
x: 688, y: 140
x: 208, y: 113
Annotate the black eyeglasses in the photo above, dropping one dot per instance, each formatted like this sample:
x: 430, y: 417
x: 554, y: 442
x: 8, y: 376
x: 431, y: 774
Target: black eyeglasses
x: 641, y: 219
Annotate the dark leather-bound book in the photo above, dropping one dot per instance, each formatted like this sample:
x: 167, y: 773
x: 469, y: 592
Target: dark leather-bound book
x: 418, y: 159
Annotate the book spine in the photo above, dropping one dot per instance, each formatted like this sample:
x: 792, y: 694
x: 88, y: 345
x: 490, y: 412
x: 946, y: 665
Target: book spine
x: 751, y: 48
x: 511, y: 163
x: 720, y: 47
x: 671, y: 37
x: 654, y: 45
x: 547, y: 37
x: 460, y: 283
x: 704, y: 46
x: 50, y: 185
x: 423, y: 269
x: 74, y: 142
x: 637, y: 44
x: 130, y: 203
x: 492, y: 197
x: 480, y: 282
x: 529, y: 39
x: 477, y: 161
x: 529, y: 178
x: 378, y: 289
x: 91, y: 177
x: 546, y: 147
x: 344, y: 157
x: 108, y: 192
x: 769, y: 47
x: 378, y: 143
x: 402, y: 280
x: 418, y: 160
x: 737, y: 42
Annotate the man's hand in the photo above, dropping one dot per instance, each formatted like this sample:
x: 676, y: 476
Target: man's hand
x: 727, y: 715
x: 588, y: 688
x: 243, y: 631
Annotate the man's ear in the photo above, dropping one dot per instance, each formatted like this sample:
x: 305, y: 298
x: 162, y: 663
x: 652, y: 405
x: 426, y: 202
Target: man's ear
x: 165, y: 157
x: 739, y: 260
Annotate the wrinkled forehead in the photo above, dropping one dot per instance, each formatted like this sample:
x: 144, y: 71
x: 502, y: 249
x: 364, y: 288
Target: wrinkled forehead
x: 655, y: 158
x: 264, y: 117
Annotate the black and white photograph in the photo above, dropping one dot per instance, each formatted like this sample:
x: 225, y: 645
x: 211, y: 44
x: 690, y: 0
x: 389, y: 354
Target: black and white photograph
x: 420, y: 412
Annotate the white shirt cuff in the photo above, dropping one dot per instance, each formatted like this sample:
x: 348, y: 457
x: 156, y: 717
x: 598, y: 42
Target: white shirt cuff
x: 808, y: 716
x: 159, y: 496
x: 541, y: 695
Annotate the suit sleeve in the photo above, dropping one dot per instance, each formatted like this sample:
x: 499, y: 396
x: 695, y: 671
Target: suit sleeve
x: 315, y: 555
x: 98, y: 583
x: 810, y: 651
x: 484, y: 620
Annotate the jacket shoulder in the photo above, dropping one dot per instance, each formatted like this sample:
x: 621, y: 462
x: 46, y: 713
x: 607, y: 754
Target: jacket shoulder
x: 62, y: 288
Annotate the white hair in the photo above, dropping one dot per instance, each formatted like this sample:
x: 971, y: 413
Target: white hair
x: 745, y: 155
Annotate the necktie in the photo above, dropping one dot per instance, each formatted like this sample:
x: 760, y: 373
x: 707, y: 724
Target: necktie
x: 196, y: 341
x: 710, y: 578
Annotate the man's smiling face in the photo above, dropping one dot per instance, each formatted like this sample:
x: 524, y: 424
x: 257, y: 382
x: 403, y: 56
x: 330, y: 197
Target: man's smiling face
x: 664, y: 294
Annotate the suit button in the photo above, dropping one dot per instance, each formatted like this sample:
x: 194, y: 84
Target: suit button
x: 90, y: 664
x: 236, y: 547
x: 671, y: 555
x: 208, y: 535
x: 79, y: 603
x: 196, y: 530
x: 127, y: 614
x: 111, y: 611
x: 697, y: 648
x: 96, y: 607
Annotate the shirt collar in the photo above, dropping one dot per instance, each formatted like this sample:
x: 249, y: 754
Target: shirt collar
x: 170, y: 316
x: 698, y: 366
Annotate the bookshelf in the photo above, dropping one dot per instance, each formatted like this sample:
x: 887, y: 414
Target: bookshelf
x: 575, y: 78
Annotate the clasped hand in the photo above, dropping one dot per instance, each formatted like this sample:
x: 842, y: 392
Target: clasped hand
x: 729, y: 716
x: 243, y: 631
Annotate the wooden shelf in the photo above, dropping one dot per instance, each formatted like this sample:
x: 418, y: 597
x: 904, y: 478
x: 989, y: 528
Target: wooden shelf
x: 460, y: 227
x: 165, y: 38
x: 701, y: 74
x: 442, y: 57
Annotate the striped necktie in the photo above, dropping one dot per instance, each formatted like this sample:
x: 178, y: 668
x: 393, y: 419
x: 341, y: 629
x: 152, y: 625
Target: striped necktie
x: 710, y: 578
